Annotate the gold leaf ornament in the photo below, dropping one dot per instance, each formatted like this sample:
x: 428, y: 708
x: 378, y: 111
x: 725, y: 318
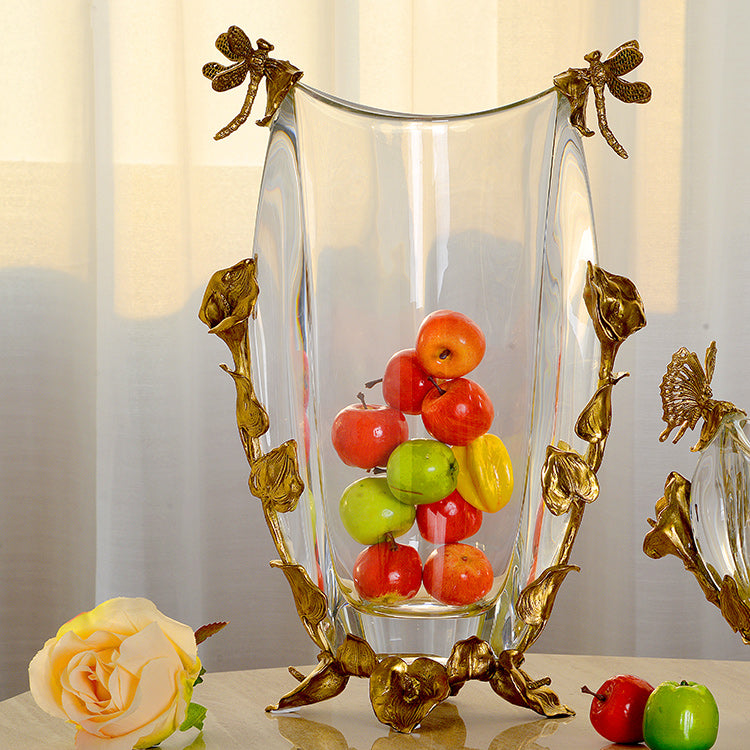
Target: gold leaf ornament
x: 356, y: 657
x: 734, y: 608
x: 252, y: 418
x: 275, y: 478
x: 565, y: 478
x: 402, y: 695
x: 671, y: 533
x: 594, y: 423
x: 470, y: 659
x: 534, y: 605
x: 514, y: 685
x: 326, y: 681
x: 614, y: 304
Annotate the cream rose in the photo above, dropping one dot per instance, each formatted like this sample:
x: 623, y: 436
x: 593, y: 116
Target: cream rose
x: 123, y: 673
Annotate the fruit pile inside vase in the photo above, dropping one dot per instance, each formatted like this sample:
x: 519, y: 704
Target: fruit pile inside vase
x: 444, y: 483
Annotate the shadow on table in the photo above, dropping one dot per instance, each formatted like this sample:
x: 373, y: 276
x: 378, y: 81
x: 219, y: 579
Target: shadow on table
x: 443, y: 729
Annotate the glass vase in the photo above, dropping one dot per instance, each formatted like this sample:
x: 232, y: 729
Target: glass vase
x: 371, y: 226
x: 369, y: 221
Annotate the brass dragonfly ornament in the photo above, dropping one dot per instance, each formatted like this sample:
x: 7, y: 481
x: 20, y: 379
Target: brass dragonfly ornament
x: 576, y: 82
x: 280, y: 75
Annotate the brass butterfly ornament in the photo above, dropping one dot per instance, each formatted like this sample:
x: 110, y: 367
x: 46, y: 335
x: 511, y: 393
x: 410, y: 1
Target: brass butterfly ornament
x: 576, y: 82
x: 687, y: 397
x: 696, y: 521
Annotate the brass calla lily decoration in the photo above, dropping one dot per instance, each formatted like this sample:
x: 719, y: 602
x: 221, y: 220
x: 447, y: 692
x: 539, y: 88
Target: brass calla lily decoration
x: 471, y: 659
x: 566, y: 477
x: 230, y: 296
x: 515, y: 686
x: 614, y: 304
x: 402, y: 695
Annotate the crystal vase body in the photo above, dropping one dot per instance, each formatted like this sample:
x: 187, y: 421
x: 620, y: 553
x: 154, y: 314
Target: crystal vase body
x: 719, y: 504
x: 367, y: 222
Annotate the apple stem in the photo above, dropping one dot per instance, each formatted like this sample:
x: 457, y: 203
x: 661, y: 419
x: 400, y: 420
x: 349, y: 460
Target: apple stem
x: 444, y: 354
x: 391, y: 542
x: 598, y: 696
x: 441, y: 391
x: 361, y: 397
x: 373, y: 383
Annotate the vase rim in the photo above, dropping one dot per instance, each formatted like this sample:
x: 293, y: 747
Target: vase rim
x: 363, y: 109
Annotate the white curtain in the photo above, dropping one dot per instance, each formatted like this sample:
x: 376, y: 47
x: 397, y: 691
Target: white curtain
x: 120, y: 469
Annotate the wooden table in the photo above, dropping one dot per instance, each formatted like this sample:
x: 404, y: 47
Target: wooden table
x: 476, y: 718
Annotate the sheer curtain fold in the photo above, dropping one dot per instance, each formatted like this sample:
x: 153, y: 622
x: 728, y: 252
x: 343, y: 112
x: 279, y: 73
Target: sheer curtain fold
x: 120, y: 469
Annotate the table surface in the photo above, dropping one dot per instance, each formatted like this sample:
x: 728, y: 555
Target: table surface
x: 475, y: 719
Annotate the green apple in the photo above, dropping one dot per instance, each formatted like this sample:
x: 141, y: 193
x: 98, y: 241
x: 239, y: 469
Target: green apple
x: 369, y: 511
x: 422, y: 471
x: 680, y: 716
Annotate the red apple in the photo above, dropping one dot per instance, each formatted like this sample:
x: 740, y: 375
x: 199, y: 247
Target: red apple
x: 405, y: 382
x: 457, y: 574
x: 457, y: 412
x: 448, y: 520
x: 387, y: 572
x: 617, y: 708
x: 449, y: 344
x: 364, y: 435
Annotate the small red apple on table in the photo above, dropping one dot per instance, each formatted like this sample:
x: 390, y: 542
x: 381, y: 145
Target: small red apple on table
x: 364, y: 435
x: 457, y: 574
x: 617, y: 708
x: 387, y: 572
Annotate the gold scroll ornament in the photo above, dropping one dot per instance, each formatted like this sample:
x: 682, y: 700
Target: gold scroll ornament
x: 402, y: 693
x: 686, y: 398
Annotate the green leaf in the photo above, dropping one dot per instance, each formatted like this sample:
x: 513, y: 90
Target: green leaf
x: 196, y: 714
x: 199, y: 678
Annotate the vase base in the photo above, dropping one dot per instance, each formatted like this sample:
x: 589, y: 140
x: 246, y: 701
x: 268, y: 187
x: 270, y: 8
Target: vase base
x: 410, y: 636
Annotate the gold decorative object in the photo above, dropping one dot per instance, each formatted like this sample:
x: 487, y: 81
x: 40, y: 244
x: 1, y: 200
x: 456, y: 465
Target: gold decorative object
x: 686, y: 398
x: 575, y: 84
x: 403, y: 692
x: 280, y: 75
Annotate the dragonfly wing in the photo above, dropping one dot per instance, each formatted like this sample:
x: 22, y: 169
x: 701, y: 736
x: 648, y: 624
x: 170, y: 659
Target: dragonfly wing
x: 636, y: 92
x: 239, y: 43
x: 625, y: 58
x: 212, y: 69
x: 228, y: 78
x: 234, y: 44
